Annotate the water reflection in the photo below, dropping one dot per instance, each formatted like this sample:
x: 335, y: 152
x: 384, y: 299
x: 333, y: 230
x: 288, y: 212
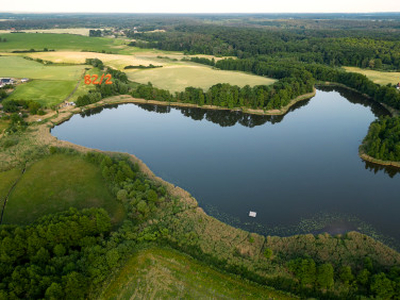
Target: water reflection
x: 375, y: 168
x: 357, y: 98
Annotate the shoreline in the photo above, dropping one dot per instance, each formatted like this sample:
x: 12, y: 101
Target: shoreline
x: 368, y: 158
x: 124, y: 99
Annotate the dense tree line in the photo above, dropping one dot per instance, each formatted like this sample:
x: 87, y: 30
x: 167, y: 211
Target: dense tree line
x: 383, y: 139
x: 274, y: 96
x: 13, y: 106
x: 264, y: 66
x: 325, y: 48
x: 95, y: 33
x: 366, y: 280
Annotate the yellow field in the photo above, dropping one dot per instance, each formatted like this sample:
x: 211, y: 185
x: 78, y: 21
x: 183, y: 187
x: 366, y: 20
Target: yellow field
x: 79, y: 31
x: 177, y: 77
x: 378, y: 77
x: 117, y: 61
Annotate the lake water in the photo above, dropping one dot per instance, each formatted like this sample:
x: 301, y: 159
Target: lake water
x: 300, y: 172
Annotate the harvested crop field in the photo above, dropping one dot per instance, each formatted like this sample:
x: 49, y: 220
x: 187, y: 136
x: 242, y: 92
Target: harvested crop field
x: 176, y: 78
x: 378, y: 77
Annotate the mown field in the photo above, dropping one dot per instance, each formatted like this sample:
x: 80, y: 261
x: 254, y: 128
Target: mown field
x: 168, y: 274
x: 56, y: 183
x: 45, y: 92
x: 177, y: 77
x: 117, y: 61
x: 39, y: 41
x: 16, y: 66
x: 379, y: 77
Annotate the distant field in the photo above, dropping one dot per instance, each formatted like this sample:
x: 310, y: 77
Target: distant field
x: 15, y: 66
x: 176, y: 78
x: 379, y: 77
x: 56, y: 183
x: 46, y: 92
x: 39, y: 41
x: 114, y: 60
x: 79, y: 31
x: 168, y: 274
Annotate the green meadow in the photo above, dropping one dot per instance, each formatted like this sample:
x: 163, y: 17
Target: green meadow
x: 49, y: 84
x: 18, y: 67
x: 7, y: 179
x: 45, y: 92
x: 177, y: 77
x: 55, y: 184
x: 168, y: 274
x: 39, y: 41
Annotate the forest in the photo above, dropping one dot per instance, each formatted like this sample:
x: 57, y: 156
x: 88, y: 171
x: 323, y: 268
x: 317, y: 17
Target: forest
x: 383, y: 139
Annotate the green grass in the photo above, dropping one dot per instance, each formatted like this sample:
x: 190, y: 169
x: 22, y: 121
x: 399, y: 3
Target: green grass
x: 378, y: 77
x: 46, y: 92
x: 176, y: 78
x: 3, y: 125
x: 168, y: 274
x: 7, y: 179
x: 16, y: 66
x: 56, y: 183
x: 39, y: 41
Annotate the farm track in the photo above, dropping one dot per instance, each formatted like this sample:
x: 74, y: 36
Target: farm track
x: 76, y: 87
x: 8, y: 195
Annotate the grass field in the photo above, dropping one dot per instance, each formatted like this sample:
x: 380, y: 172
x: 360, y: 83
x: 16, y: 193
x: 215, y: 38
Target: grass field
x: 176, y: 78
x: 16, y: 66
x: 56, y: 183
x: 7, y: 179
x: 168, y: 274
x: 39, y: 41
x: 379, y: 77
x: 46, y: 92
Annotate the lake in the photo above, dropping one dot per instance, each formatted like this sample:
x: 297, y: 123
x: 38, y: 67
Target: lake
x: 300, y: 172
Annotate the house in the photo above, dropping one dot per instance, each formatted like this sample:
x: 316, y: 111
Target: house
x: 69, y: 103
x: 24, y: 80
x: 5, y: 81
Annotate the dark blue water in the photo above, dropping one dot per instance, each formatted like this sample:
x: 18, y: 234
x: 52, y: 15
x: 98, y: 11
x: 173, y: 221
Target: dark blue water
x: 300, y: 173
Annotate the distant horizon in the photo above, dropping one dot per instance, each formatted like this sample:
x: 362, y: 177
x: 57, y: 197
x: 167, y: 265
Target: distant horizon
x: 205, y: 7
x: 199, y: 13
